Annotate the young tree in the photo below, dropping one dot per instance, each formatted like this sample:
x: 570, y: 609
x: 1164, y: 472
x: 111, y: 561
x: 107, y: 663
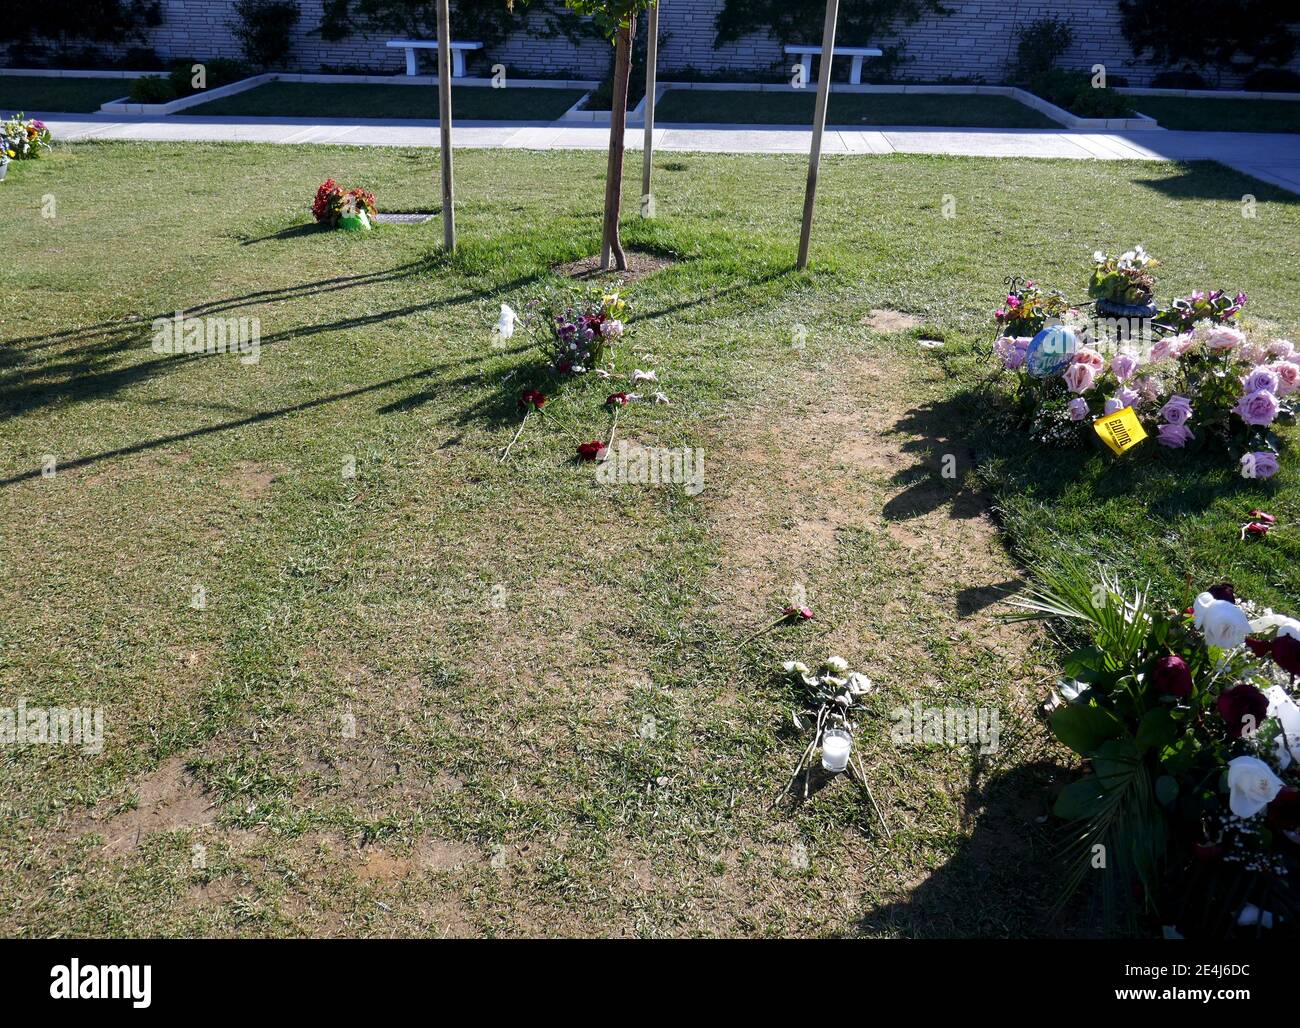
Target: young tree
x: 616, y: 21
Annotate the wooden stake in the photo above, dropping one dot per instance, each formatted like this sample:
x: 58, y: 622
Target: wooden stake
x: 444, y: 126
x: 819, y: 126
x: 651, y: 80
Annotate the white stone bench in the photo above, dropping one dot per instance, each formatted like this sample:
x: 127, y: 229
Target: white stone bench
x: 856, y: 52
x: 457, y: 53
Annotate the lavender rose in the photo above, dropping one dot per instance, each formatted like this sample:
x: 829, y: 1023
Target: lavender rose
x: 1124, y: 364
x: 1078, y: 408
x: 1173, y: 436
x: 1178, y: 411
x: 1262, y: 378
x: 1258, y: 408
x: 1260, y: 464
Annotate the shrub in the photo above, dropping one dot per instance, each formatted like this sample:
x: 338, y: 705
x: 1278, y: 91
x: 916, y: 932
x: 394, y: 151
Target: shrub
x: 1178, y: 80
x: 265, y: 29
x: 1038, y: 47
x: 1073, y: 90
x: 141, y: 58
x: 218, y: 71
x: 1227, y: 35
x: 1273, y: 80
x: 152, y: 89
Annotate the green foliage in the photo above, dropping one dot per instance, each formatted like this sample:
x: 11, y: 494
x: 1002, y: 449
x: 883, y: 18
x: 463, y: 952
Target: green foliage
x: 1039, y: 45
x: 152, y: 89
x: 861, y: 22
x: 265, y: 29
x: 103, y: 21
x: 1074, y: 91
x: 1227, y: 35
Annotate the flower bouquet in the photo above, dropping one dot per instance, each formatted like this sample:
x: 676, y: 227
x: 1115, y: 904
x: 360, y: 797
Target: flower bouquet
x: 576, y: 328
x: 1027, y: 308
x: 1124, y: 285
x: 833, y: 697
x: 22, y: 139
x: 1206, y: 384
x: 350, y: 209
x: 1189, y: 810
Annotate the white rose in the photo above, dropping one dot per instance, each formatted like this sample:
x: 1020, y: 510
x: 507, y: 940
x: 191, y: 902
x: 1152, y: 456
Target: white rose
x: 1222, y: 621
x: 859, y: 684
x: 1251, y: 786
x: 1283, y: 624
x: 837, y: 663
x: 793, y: 667
x: 1282, y: 707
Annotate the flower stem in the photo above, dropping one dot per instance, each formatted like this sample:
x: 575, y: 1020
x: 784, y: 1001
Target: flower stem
x: 506, y: 452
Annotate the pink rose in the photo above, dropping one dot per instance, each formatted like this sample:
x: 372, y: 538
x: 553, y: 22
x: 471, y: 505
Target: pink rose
x: 1174, y: 436
x: 1124, y: 365
x: 1178, y: 411
x: 1170, y: 346
x: 1258, y: 408
x: 1079, y: 377
x: 1078, y: 408
x: 1288, y: 376
x: 1221, y: 337
x: 1260, y: 464
x: 1261, y: 378
x: 1090, y: 357
x: 1148, y: 388
x: 1282, y: 349
x: 1254, y: 353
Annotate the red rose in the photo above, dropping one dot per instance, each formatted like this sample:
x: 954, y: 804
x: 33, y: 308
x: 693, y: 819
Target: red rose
x: 616, y: 400
x: 1241, y: 706
x: 1170, y: 675
x: 591, y: 450
x: 1286, y: 651
x: 534, y: 398
x: 1264, y: 516
x: 1260, y: 647
x: 1284, y: 811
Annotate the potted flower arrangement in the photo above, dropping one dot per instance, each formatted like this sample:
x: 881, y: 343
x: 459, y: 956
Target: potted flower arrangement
x: 1028, y: 307
x: 1188, y: 723
x: 1216, y: 306
x: 22, y: 139
x: 1124, y: 286
x: 350, y: 209
x: 576, y: 328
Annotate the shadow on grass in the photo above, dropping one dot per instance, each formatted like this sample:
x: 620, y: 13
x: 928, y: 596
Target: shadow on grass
x: 1210, y: 180
x: 1003, y: 880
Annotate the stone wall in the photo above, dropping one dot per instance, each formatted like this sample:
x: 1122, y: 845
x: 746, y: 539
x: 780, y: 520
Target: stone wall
x: 974, y: 43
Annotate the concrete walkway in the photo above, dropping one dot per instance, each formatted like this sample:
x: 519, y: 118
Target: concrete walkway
x: 1274, y: 158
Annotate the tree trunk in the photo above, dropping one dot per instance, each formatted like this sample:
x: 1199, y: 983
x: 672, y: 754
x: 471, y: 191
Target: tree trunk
x: 611, y: 243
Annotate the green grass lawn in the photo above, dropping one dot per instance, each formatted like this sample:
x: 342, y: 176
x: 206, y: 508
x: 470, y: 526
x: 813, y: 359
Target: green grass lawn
x: 1209, y: 115
x: 360, y: 100
x: 451, y: 696
x: 750, y: 107
x: 58, y: 95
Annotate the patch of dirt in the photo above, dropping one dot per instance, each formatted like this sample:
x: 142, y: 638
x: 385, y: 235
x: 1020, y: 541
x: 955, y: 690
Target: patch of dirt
x: 886, y: 320
x: 252, y: 480
x: 169, y: 800
x: 428, y: 855
x: 639, y: 265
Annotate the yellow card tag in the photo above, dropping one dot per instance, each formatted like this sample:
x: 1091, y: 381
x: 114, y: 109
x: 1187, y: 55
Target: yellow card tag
x: 1120, y: 431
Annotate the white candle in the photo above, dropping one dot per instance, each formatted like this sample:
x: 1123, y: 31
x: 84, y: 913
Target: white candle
x: 836, y: 744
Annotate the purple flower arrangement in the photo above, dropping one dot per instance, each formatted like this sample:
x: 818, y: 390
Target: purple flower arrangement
x: 1203, y: 380
x: 576, y: 329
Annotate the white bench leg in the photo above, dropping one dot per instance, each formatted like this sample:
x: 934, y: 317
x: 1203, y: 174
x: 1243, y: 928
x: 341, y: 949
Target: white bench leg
x: 855, y: 73
x: 458, y: 64
x: 410, y: 60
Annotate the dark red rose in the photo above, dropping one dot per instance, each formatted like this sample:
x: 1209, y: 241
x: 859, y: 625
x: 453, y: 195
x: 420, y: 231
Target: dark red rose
x: 616, y: 400
x: 1286, y: 651
x: 1284, y: 811
x: 534, y: 398
x: 1264, y: 516
x: 591, y: 450
x: 1207, y: 850
x: 1241, y: 706
x: 1171, y: 676
x: 1223, y: 592
x: 1255, y: 528
x: 1260, y: 647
